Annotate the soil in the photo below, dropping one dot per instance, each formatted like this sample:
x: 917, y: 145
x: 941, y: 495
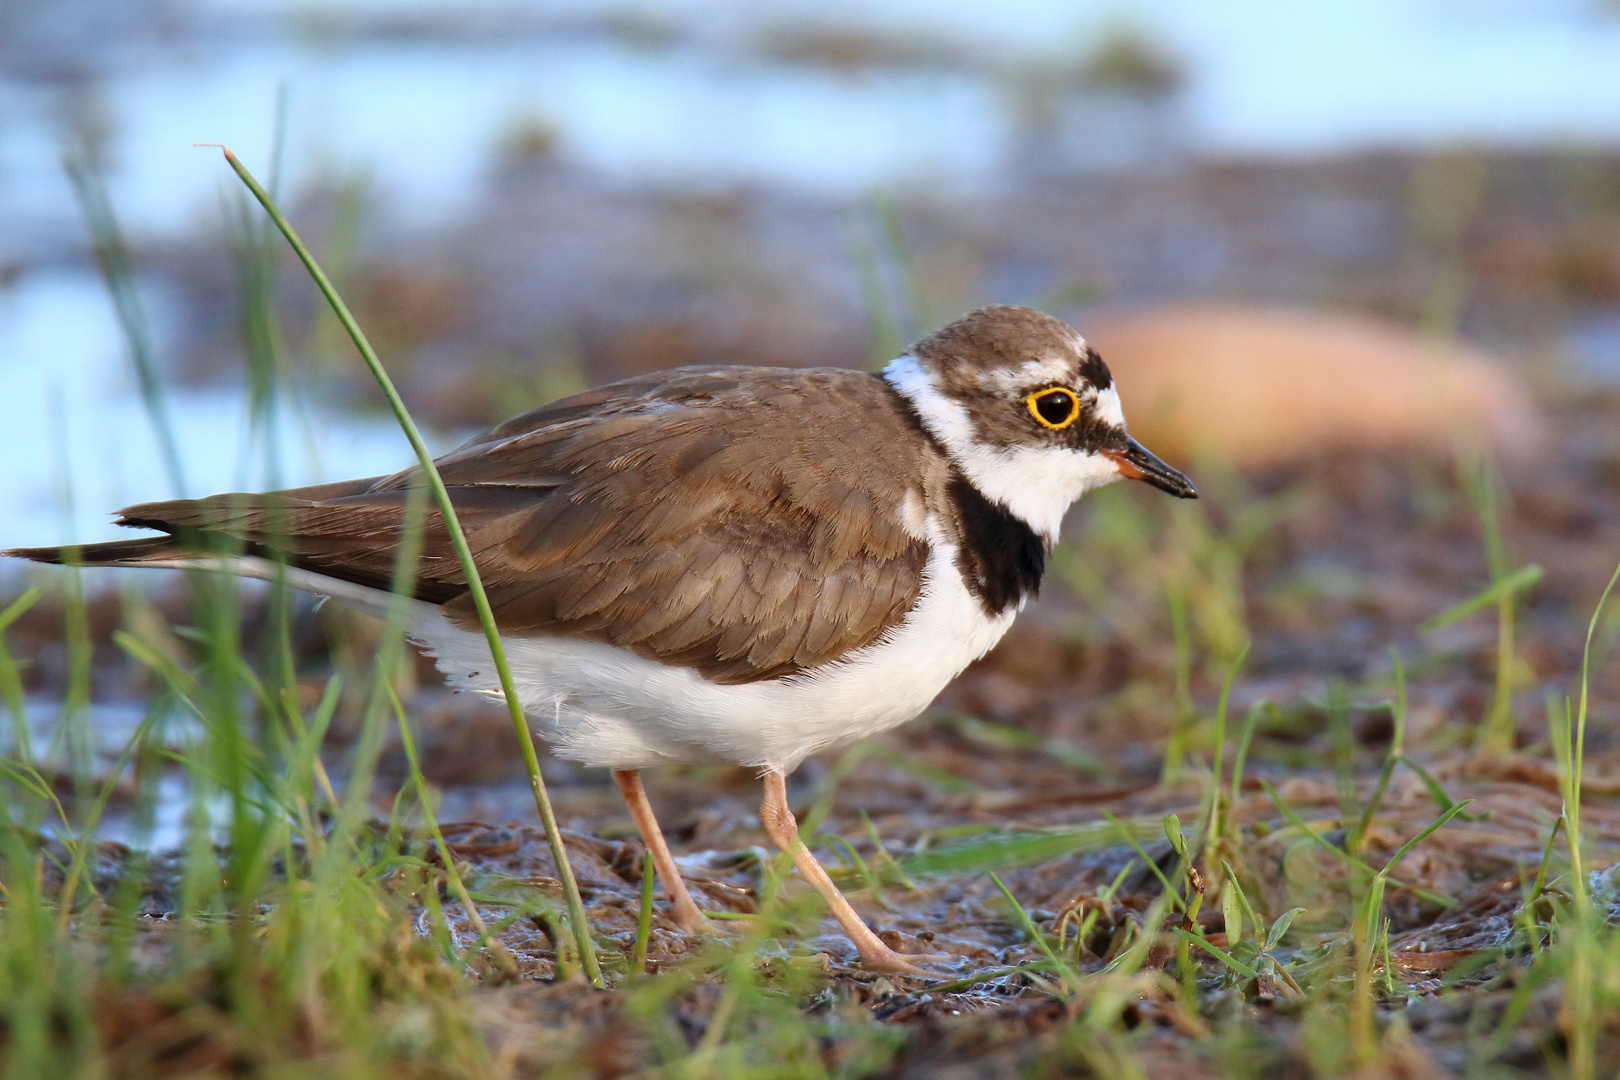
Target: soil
x: 1067, y: 722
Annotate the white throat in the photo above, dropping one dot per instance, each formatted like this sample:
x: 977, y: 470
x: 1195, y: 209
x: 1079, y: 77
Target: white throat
x: 1035, y: 484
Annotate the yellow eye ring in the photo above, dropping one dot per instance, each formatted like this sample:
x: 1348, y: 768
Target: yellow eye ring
x: 1056, y: 407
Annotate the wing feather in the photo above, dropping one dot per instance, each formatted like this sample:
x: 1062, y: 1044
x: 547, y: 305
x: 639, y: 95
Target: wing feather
x: 743, y: 521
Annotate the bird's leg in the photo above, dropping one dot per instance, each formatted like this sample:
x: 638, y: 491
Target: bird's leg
x: 783, y: 829
x: 682, y: 909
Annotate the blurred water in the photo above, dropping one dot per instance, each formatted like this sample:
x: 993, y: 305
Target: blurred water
x: 425, y: 120
x: 106, y: 729
x: 1594, y: 350
x: 426, y: 114
x: 684, y: 103
x: 78, y: 443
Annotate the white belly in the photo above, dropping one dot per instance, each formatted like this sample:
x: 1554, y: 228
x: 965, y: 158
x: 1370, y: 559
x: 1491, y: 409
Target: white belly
x: 601, y: 705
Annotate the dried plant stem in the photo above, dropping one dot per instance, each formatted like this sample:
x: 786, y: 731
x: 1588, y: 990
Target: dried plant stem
x: 458, y: 539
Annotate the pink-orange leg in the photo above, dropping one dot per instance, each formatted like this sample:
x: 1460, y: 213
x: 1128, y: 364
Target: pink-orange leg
x: 783, y: 829
x: 682, y: 910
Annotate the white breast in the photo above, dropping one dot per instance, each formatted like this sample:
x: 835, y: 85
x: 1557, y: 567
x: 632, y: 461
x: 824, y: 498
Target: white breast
x: 604, y: 706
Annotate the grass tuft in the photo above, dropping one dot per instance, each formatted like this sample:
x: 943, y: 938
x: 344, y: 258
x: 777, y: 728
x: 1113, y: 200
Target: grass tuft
x: 475, y: 585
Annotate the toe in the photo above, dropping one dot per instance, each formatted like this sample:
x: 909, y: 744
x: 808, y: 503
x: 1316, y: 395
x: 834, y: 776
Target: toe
x: 889, y: 962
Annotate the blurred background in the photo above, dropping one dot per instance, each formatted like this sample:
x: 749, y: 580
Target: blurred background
x: 1355, y: 267
x: 524, y: 198
x: 1341, y: 259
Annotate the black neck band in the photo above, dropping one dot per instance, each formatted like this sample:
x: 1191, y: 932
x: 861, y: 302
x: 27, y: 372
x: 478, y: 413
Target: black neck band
x: 1000, y: 556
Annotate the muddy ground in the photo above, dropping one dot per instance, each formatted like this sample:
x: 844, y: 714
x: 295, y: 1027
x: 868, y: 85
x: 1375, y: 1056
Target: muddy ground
x: 1068, y: 721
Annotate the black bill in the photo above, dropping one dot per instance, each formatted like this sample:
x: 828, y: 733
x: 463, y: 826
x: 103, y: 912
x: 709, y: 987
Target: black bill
x: 1136, y: 462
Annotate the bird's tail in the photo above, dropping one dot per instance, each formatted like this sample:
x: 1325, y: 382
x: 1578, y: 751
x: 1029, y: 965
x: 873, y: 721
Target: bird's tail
x: 344, y: 531
x: 160, y: 550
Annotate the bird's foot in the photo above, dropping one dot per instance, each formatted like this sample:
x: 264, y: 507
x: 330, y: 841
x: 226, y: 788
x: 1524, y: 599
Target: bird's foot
x: 698, y: 927
x: 879, y: 959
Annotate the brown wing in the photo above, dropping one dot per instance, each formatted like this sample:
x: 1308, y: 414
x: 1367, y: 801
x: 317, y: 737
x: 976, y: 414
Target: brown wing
x: 743, y: 521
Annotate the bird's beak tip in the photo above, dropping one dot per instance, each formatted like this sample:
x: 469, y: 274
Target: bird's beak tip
x: 1136, y: 462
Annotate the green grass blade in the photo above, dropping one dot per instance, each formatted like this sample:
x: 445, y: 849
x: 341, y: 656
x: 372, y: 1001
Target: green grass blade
x: 87, y: 831
x: 1521, y: 578
x: 25, y: 776
x: 457, y: 886
x: 11, y: 684
x: 1220, y: 715
x: 638, y: 956
x: 1436, y: 790
x: 1130, y: 838
x: 1231, y: 912
x: 117, y: 272
x: 1425, y: 834
x: 1015, y: 849
x: 883, y: 324
x: 1218, y: 953
x: 17, y: 607
x: 1577, y: 756
x: 1241, y: 758
x: 1280, y: 927
x: 888, y: 867
x: 1397, y: 742
x: 458, y: 539
x: 1350, y: 860
x: 1354, y: 838
x: 1311, y: 834
x: 1028, y: 926
x: 897, y: 245
x: 1243, y: 900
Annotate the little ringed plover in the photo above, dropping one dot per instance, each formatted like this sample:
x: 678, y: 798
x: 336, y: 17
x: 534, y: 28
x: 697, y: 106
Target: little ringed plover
x: 723, y: 565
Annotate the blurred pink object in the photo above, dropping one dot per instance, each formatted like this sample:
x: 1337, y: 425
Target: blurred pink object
x: 1260, y: 386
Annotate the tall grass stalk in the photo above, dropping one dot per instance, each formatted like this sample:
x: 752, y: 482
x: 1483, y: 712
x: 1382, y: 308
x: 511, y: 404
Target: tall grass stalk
x: 424, y: 799
x: 891, y: 285
x: 1368, y: 930
x: 1496, y: 737
x: 263, y: 348
x: 1569, y: 748
x: 1354, y: 863
x: 71, y: 738
x: 903, y: 259
x: 1217, y: 828
x: 458, y: 538
x: 117, y: 271
x: 1186, y: 715
x: 1354, y: 838
x: 1240, y: 759
x: 11, y: 686
x: 1069, y: 978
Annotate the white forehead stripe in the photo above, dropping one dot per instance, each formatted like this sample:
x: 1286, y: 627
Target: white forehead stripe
x: 1054, y: 369
x: 1032, y: 374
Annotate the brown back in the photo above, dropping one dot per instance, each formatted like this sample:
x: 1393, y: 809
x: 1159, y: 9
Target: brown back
x: 746, y: 522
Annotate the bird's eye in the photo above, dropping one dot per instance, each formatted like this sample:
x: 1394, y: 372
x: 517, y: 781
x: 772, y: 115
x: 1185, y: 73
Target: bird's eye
x: 1055, y: 407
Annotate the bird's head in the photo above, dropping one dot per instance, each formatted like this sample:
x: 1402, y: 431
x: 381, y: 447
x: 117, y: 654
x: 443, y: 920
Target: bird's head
x: 1027, y: 411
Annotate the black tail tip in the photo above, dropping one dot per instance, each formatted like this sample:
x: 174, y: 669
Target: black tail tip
x: 54, y: 555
